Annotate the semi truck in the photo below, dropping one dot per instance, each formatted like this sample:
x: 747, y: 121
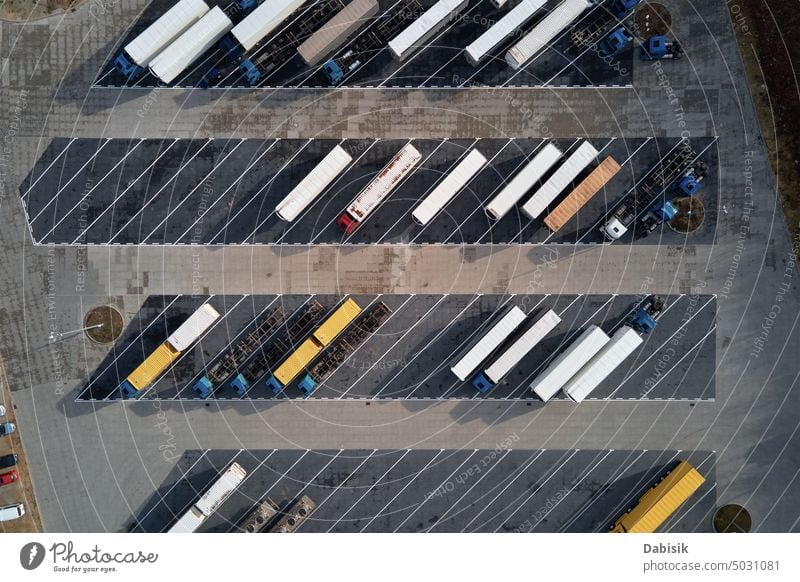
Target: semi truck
x: 660, y: 501
x: 337, y: 352
x: 516, y: 18
x: 379, y: 188
x: 584, y: 192
x: 229, y: 364
x: 165, y: 355
x: 644, y: 319
x: 314, y: 184
x: 259, y: 517
x: 371, y: 41
x: 658, y: 214
x: 257, y: 25
x: 551, y: 25
x: 267, y: 359
x: 300, y: 358
x: 281, y: 47
x: 569, y: 362
x: 466, y: 364
x: 561, y: 178
x: 624, y: 341
x: 657, y: 48
x: 659, y: 179
x: 513, y: 355
x: 195, y: 41
x: 526, y: 179
x: 423, y: 28
x: 211, y: 500
x: 135, y: 57
x: 447, y: 189
x: 332, y: 35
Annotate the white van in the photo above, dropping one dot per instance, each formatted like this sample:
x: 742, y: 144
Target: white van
x: 11, y: 512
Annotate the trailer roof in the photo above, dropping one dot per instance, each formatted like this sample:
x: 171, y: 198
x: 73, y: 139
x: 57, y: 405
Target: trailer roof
x: 501, y: 30
x: 429, y: 20
x: 451, y: 185
x: 490, y: 341
x: 163, y: 31
x: 263, y: 20
x: 538, y: 38
x: 333, y: 34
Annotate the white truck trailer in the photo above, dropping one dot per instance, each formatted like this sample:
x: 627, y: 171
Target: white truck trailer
x: 488, y: 343
x: 446, y: 190
x: 513, y: 192
x: 138, y: 53
x: 314, y: 184
x: 189, y: 46
x: 379, y: 188
x: 191, y: 329
x: 477, y: 50
x: 424, y: 27
x: 569, y: 362
x: 222, y: 488
x: 561, y: 178
x: 259, y: 23
x: 624, y: 341
x: 514, y: 354
x: 551, y: 25
x: 337, y: 30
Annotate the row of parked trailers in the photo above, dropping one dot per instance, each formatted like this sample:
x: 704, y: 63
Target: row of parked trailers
x: 190, y: 28
x: 578, y: 370
x: 402, y: 164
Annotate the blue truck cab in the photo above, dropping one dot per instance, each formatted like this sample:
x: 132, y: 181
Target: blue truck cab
x: 272, y: 383
x: 126, y: 66
x: 127, y: 389
x: 621, y: 7
x: 333, y: 71
x: 240, y: 385
x: 689, y: 185
x: 250, y: 71
x: 203, y: 387
x: 615, y: 42
x: 307, y: 385
x: 482, y: 383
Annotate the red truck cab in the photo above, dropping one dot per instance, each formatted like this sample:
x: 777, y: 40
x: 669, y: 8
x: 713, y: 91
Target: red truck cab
x: 347, y: 223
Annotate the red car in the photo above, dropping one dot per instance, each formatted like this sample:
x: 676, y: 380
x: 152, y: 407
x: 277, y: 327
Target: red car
x: 8, y: 478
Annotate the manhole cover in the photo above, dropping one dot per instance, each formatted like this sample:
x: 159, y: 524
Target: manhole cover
x: 732, y: 519
x: 103, y: 324
x: 653, y: 20
x: 691, y: 214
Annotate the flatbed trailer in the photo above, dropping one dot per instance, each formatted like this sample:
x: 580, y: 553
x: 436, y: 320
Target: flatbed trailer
x: 294, y: 515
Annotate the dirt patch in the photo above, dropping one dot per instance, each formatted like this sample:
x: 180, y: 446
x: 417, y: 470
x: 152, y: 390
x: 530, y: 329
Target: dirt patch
x: 25, y: 10
x: 732, y: 519
x: 22, y: 490
x: 652, y: 19
x: 691, y: 214
x: 767, y: 41
x: 110, y: 321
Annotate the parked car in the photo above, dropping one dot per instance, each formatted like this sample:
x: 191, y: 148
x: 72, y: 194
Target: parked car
x: 7, y: 428
x: 9, y: 512
x: 2, y: 410
x: 8, y: 461
x: 9, y: 478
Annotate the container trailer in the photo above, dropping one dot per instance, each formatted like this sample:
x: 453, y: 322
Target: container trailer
x: 569, y: 362
x: 211, y: 500
x: 314, y: 184
x: 660, y: 501
x: 423, y: 28
x: 513, y: 355
x: 137, y: 54
x: 379, y: 188
x: 258, y: 24
x: 451, y: 185
x: 516, y: 18
x: 551, y: 25
x: 332, y: 35
x: 584, y: 192
x: 624, y: 341
x: 561, y: 178
x: 488, y: 343
x: 526, y: 179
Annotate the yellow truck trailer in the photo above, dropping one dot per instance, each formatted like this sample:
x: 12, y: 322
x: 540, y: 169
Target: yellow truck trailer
x: 148, y: 371
x: 660, y: 501
x: 309, y: 349
x: 582, y: 193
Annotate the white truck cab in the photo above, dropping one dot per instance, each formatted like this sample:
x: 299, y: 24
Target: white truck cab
x: 11, y: 512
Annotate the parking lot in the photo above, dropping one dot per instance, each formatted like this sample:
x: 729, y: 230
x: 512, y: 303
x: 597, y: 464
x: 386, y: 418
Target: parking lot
x: 409, y: 356
x: 216, y: 192
x: 500, y: 490
x: 439, y: 64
